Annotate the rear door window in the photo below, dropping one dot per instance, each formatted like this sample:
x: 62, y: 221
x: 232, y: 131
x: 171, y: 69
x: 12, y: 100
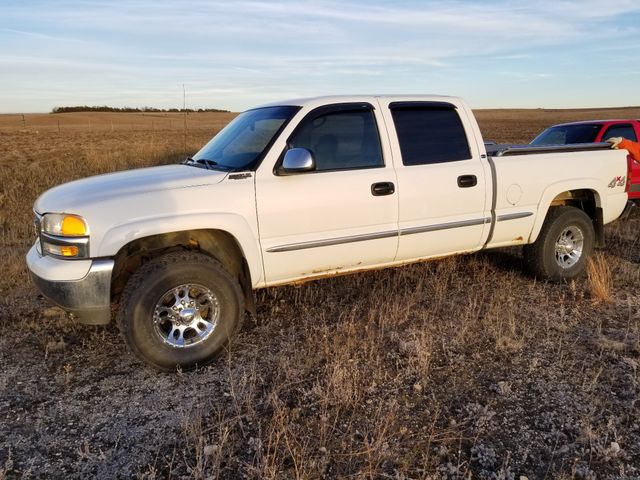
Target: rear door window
x: 429, y: 133
x: 622, y: 130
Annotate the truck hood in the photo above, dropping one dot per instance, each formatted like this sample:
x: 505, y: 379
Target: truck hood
x: 70, y: 196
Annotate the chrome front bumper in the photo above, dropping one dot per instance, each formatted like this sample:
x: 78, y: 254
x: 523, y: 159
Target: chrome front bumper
x: 87, y: 299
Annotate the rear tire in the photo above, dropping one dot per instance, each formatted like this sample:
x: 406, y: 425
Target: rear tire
x: 180, y: 310
x: 563, y: 247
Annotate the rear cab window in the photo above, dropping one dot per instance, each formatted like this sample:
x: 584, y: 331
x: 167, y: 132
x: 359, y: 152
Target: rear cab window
x: 429, y: 132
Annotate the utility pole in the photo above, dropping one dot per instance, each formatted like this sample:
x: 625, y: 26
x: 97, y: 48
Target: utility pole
x: 184, y: 112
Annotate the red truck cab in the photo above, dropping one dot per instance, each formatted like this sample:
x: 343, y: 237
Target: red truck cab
x: 591, y: 131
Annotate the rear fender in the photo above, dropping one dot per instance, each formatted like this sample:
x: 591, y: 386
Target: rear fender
x: 551, y: 192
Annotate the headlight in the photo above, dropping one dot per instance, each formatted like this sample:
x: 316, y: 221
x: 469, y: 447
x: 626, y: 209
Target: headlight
x: 64, y: 235
x: 65, y: 225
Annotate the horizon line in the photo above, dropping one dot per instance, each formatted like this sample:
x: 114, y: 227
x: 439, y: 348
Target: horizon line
x: 222, y: 110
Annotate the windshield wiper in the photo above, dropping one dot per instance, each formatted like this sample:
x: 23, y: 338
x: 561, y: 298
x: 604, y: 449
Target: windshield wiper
x: 203, y: 161
x: 207, y: 162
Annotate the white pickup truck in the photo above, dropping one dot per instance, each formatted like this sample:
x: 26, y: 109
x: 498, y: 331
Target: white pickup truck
x: 302, y: 189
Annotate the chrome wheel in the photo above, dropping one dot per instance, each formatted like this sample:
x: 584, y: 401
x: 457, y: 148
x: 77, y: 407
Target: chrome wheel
x: 569, y: 246
x: 186, y: 315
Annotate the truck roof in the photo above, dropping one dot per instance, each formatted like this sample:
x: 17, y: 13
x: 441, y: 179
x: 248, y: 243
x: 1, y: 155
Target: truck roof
x: 590, y: 122
x: 328, y: 99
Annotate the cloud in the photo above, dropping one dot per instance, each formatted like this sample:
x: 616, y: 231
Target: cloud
x: 254, y: 48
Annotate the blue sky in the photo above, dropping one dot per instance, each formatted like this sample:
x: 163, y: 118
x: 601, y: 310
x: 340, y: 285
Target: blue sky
x: 237, y: 54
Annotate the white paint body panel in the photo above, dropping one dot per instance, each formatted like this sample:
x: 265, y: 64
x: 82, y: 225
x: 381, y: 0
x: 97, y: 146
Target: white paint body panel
x: 125, y: 206
x: 541, y: 177
x: 323, y: 205
x: 265, y: 212
x: 429, y: 195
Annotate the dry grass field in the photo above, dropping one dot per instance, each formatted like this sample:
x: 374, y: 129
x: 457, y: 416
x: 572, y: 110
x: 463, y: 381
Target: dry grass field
x: 454, y: 369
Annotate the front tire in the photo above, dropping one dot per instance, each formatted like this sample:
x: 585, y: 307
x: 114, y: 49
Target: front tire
x: 180, y: 309
x: 563, y: 247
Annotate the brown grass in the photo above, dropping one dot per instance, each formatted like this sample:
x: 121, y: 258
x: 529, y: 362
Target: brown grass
x: 600, y: 280
x: 460, y: 368
x: 111, y: 122
x: 522, y: 125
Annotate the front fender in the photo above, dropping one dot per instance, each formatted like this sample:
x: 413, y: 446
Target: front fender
x: 118, y: 236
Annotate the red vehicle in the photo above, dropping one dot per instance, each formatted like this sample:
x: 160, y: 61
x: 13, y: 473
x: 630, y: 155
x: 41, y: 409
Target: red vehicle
x: 594, y: 131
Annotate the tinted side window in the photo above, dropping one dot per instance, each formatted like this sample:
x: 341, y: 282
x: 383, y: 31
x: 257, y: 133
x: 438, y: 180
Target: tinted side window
x: 568, y: 134
x: 430, y: 135
x: 341, y: 140
x: 625, y: 131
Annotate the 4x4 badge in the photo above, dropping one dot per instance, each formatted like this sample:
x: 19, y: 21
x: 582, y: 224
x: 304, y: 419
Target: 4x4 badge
x: 617, y: 182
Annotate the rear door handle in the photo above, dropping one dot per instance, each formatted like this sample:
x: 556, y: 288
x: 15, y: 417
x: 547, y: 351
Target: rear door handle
x: 466, y: 181
x: 382, y: 188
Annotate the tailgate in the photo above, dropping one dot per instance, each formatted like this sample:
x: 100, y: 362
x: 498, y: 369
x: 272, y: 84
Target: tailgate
x: 634, y: 178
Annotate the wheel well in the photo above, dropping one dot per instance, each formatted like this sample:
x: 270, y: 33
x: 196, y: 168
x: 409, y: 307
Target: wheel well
x: 218, y: 244
x: 589, y: 202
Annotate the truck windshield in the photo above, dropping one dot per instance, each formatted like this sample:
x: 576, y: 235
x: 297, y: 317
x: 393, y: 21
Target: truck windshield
x: 241, y: 144
x: 568, y: 134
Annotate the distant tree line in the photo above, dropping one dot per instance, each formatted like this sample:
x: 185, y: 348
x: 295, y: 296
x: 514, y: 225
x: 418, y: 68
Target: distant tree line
x: 86, y: 108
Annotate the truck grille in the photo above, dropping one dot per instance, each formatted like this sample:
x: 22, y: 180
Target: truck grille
x: 37, y: 226
x: 37, y: 220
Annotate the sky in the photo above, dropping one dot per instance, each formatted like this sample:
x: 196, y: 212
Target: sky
x: 238, y: 54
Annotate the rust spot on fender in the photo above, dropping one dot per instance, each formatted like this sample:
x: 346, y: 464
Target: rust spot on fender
x: 519, y: 239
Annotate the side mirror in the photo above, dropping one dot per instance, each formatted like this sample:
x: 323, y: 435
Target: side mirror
x: 297, y: 160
